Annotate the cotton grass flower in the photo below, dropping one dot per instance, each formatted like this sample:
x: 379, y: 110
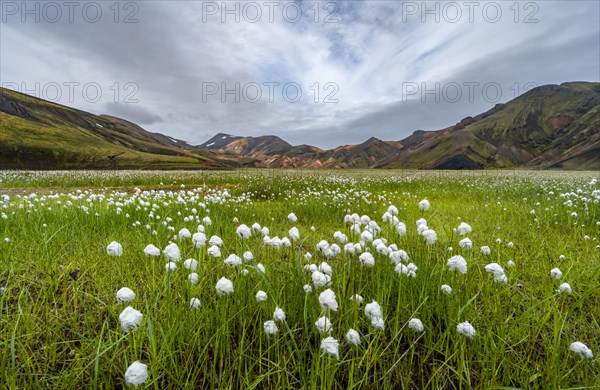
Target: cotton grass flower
x: 294, y: 233
x: 409, y: 270
x: 323, y: 325
x: 261, y: 268
x: 190, y: 264
x: 319, y: 279
x: 114, y: 249
x: 248, y: 256
x: 136, y: 374
x: 151, y: 251
x: 330, y: 346
x: 353, y: 337
x: 215, y: 241
x: 130, y: 319
x: 430, y: 236
x: 184, y: 233
x: 214, y: 251
x: 172, y: 252
x: 125, y: 295
x: 457, y: 263
x: 446, y: 289
x: 224, y: 286
x: 424, y: 205
x: 193, y: 278
x: 243, y: 232
x: 171, y: 266
x: 199, y: 239
x: 497, y: 272
x: 582, y: 350
x: 261, y: 296
x: 464, y: 228
x: 556, y: 273
x: 367, y: 259
x: 466, y: 329
x: 357, y: 298
x: 328, y: 301
x: 466, y: 243
x: 270, y: 328
x: 565, y: 288
x: 307, y: 288
x: 292, y: 218
x: 233, y: 261
x: 416, y: 325
x: 486, y: 250
x: 194, y: 303
x: 373, y: 312
x: 279, y: 314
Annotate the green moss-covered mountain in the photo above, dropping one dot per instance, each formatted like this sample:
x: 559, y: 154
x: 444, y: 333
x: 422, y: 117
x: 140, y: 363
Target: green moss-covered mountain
x: 37, y: 134
x: 552, y: 126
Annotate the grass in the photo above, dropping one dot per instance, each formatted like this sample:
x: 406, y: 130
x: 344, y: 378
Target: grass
x: 59, y: 324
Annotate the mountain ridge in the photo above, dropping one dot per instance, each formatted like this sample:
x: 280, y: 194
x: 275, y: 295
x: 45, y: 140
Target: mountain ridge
x: 551, y: 126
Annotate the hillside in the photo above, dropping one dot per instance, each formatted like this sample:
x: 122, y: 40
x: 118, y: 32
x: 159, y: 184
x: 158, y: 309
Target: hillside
x: 552, y: 126
x: 37, y: 134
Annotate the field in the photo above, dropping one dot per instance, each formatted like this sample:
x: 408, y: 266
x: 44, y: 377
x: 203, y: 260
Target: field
x: 515, y: 305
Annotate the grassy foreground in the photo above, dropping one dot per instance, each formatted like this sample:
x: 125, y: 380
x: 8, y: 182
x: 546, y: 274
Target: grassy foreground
x: 59, y: 324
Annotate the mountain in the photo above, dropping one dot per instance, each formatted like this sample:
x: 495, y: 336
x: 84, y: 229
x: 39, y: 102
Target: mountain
x: 552, y: 126
x: 37, y: 134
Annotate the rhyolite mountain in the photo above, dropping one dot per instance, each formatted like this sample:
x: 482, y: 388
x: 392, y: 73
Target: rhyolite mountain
x: 552, y: 126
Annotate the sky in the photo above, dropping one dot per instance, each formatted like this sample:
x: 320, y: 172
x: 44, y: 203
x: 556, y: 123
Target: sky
x: 323, y: 73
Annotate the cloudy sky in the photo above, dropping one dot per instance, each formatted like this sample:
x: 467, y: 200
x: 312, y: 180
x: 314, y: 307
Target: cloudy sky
x: 323, y: 73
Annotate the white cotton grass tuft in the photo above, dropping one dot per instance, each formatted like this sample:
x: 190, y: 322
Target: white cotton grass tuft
x: 409, y: 270
x: 270, y: 328
x: 184, y: 233
x: 556, y: 273
x: 292, y: 218
x: 353, y: 337
x: 582, y: 350
x: 248, y: 256
x: 373, y: 312
x: 416, y: 325
x: 171, y: 266
x: 125, y: 295
x: 261, y: 296
x: 214, y: 251
x: 466, y: 329
x: 199, y: 239
x: 446, y: 289
x: 319, y: 279
x: 466, y: 243
x: 430, y: 236
x: 497, y: 272
x: 424, y: 205
x: 136, y: 374
x: 193, y: 278
x: 243, y: 231
x: 130, y: 319
x: 367, y: 259
x: 565, y: 288
x: 215, y: 241
x: 224, y: 286
x: 307, y: 288
x: 328, y: 301
x: 357, y: 298
x: 190, y: 264
x: 194, y: 303
x: 151, y: 251
x: 294, y: 233
x: 464, y: 228
x: 486, y: 250
x: 330, y: 346
x: 233, y: 261
x: 172, y: 252
x: 457, y: 263
x: 279, y: 314
x: 323, y: 325
x: 114, y: 249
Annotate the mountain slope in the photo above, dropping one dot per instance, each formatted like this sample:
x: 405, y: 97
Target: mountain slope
x: 37, y: 134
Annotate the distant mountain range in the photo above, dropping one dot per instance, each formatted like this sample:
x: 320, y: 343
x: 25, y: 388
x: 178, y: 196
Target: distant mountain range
x: 552, y: 126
